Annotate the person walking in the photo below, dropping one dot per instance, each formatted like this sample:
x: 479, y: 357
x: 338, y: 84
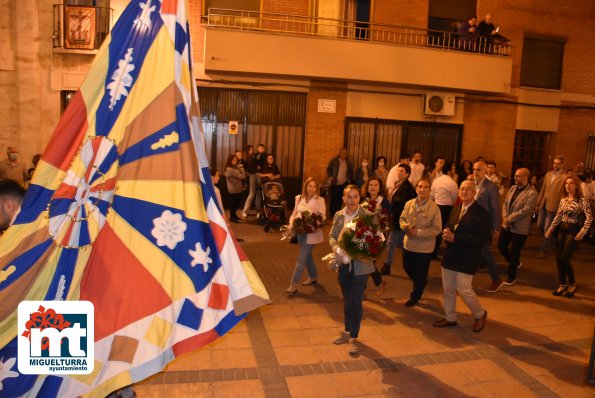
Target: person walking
x: 376, y: 202
x: 467, y: 233
x: 574, y: 218
x: 421, y: 222
x: 488, y: 197
x: 308, y: 200
x: 353, y: 273
x: 340, y: 172
x: 402, y: 192
x: 548, y: 201
x: 517, y: 211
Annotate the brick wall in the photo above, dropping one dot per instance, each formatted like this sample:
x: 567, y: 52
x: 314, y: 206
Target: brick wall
x: 401, y: 12
x: 489, y: 131
x: 324, y: 131
x: 575, y: 127
x: 299, y: 7
x: 572, y: 20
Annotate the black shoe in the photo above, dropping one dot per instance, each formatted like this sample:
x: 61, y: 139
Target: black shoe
x: 234, y: 220
x: 410, y: 303
x: 385, y: 270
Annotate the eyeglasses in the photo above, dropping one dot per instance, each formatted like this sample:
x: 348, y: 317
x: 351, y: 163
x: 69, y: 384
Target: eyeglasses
x: 558, y: 163
x: 476, y: 169
x: 518, y: 176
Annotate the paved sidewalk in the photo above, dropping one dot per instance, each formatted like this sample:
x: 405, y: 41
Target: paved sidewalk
x: 534, y: 344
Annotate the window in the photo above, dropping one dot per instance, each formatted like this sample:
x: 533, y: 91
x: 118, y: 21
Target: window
x: 81, y: 24
x: 541, y: 64
x: 531, y: 151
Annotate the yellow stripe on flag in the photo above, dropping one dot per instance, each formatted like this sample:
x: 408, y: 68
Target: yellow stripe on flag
x: 93, y: 87
x: 185, y: 196
x: 156, y: 75
x: 48, y: 176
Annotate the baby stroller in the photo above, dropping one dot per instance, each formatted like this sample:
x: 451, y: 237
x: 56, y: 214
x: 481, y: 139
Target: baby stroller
x: 274, y: 205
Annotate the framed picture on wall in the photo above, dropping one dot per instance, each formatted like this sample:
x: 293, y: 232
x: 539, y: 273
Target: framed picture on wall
x: 79, y: 27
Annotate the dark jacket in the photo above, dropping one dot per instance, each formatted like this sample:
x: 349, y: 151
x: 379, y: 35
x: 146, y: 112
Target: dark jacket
x: 472, y: 232
x: 332, y: 169
x: 489, y: 198
x: 359, y: 176
x: 402, y: 195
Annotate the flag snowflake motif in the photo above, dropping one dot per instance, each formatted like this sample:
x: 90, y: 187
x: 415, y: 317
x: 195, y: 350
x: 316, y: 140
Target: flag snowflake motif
x: 60, y: 290
x: 199, y: 256
x: 121, y: 79
x: 144, y: 20
x: 5, y: 371
x: 169, y: 229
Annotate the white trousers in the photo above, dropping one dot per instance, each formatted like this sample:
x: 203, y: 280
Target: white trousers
x: 453, y: 282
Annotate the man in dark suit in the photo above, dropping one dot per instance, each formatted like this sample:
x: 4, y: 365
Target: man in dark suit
x: 488, y: 197
x: 466, y: 234
x: 340, y: 173
x: 400, y: 193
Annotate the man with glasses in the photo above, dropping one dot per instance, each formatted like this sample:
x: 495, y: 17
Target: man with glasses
x: 548, y: 201
x: 516, y: 222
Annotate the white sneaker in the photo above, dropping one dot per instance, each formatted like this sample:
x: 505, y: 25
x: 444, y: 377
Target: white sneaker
x: 342, y: 339
x: 353, y: 347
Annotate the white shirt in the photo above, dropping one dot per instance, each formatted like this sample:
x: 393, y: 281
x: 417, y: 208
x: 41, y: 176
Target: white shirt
x: 588, y: 190
x: 392, y: 177
x: 444, y: 191
x: 417, y: 171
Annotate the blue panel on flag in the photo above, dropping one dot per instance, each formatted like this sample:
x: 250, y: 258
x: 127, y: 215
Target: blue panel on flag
x: 190, y: 315
x: 181, y: 39
x: 132, y: 37
x: 35, y: 201
x: 197, y: 236
x: 64, y: 272
x: 228, y: 322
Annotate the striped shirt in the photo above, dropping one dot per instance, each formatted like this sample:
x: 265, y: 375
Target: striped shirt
x: 569, y: 211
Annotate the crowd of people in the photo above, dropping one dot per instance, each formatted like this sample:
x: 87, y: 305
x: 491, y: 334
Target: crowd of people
x: 466, y: 206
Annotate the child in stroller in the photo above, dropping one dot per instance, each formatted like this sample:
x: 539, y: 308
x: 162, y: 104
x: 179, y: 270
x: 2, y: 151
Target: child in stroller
x: 274, y: 205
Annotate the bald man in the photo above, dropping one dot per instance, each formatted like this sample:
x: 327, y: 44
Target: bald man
x: 516, y: 222
x: 466, y: 233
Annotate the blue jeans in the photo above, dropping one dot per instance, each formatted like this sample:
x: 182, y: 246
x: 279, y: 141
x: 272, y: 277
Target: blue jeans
x: 544, y: 219
x: 395, y: 239
x: 353, y: 288
x: 304, y: 260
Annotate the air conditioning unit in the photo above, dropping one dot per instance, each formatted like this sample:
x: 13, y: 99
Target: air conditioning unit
x: 439, y: 104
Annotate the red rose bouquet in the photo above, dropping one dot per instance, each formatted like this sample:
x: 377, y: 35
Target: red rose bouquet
x: 382, y: 214
x: 307, y: 223
x: 362, y: 238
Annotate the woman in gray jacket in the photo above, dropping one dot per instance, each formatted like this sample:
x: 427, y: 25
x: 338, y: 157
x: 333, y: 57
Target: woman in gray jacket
x: 353, y: 273
x: 421, y: 222
x: 234, y: 177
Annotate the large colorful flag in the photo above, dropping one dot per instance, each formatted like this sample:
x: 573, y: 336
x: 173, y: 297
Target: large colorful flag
x: 121, y: 212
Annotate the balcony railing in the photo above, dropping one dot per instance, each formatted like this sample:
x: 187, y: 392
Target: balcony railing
x: 298, y: 25
x: 80, y: 29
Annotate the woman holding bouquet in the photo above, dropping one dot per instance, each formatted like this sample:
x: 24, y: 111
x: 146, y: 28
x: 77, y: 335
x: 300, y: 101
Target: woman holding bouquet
x: 375, y: 202
x: 309, y: 212
x: 353, y: 272
x: 421, y: 222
